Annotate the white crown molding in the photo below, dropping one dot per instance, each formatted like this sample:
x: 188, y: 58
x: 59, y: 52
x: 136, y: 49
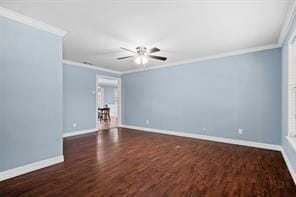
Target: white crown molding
x: 31, y: 22
x: 284, y: 31
x: 30, y: 167
x: 288, y: 22
x: 73, y: 133
x: 43, y: 26
x: 207, y: 137
x: 227, y: 54
x: 289, y: 165
x: 69, y: 62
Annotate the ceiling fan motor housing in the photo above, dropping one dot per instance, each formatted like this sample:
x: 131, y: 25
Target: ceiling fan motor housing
x: 141, y: 50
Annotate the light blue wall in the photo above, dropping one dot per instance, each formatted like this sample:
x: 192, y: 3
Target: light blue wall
x: 220, y: 95
x: 79, y: 100
x: 1, y: 90
x: 108, y: 95
x: 290, y: 152
x: 31, y: 81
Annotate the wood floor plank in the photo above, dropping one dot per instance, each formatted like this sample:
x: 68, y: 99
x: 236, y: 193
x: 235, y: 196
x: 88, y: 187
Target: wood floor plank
x: 125, y: 162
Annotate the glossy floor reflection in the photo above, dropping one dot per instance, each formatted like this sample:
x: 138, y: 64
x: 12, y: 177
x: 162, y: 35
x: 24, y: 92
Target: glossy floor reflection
x: 108, y: 124
x: 120, y: 162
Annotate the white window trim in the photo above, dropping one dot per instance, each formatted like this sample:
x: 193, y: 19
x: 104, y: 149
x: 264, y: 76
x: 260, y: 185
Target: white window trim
x: 292, y: 90
x: 292, y: 141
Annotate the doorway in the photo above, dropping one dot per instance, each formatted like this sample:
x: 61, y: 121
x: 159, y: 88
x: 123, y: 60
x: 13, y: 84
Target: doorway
x: 108, y: 106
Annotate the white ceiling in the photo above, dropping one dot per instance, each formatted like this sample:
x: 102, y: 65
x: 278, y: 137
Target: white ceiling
x: 182, y: 29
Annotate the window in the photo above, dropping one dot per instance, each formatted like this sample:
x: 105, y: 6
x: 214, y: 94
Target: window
x: 292, y: 89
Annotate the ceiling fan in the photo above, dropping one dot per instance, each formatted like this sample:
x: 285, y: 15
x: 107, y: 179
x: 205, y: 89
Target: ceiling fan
x: 141, y: 54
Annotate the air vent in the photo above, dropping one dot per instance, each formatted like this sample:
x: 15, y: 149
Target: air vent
x: 88, y: 63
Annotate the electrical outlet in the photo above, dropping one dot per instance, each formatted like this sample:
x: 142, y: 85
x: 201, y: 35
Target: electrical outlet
x: 204, y: 129
x: 74, y: 124
x: 240, y: 131
x: 147, y: 121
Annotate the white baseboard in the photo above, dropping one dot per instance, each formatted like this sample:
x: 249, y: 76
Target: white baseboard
x: 68, y: 134
x: 224, y: 140
x: 30, y: 167
x: 289, y: 165
x: 210, y: 138
x: 48, y: 162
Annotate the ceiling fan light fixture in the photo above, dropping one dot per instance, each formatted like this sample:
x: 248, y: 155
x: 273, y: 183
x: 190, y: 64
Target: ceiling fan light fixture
x: 141, y: 55
x: 141, y: 59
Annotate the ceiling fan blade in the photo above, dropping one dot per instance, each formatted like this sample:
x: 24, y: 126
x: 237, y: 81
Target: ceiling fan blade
x: 157, y: 57
x: 128, y: 50
x: 153, y: 50
x: 120, y: 58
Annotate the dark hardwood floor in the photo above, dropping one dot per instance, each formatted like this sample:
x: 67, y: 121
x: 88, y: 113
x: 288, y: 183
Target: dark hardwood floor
x: 124, y: 162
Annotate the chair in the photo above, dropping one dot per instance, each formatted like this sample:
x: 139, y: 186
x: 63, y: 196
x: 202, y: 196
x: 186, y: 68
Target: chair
x: 104, y: 113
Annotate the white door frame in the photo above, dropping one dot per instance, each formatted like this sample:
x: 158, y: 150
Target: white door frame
x: 102, y: 91
x: 119, y: 97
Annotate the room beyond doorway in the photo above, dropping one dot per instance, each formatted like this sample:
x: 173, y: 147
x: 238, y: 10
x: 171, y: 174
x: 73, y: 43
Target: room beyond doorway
x: 107, y: 102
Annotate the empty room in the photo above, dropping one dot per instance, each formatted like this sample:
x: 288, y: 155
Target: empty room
x: 148, y: 98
